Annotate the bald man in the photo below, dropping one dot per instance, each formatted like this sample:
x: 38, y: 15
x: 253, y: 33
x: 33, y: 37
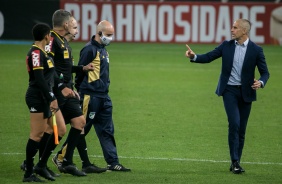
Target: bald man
x: 94, y: 87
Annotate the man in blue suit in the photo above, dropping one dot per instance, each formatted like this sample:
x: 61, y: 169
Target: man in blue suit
x: 237, y: 83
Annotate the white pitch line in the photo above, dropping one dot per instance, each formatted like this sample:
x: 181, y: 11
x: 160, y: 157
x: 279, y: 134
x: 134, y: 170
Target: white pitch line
x: 198, y: 160
x: 172, y: 159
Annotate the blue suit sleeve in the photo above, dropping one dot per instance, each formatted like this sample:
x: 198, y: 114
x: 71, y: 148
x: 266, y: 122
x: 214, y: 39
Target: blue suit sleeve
x: 210, y: 56
x: 262, y: 67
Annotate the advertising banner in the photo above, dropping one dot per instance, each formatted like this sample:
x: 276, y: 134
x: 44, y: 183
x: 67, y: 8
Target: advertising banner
x: 177, y: 22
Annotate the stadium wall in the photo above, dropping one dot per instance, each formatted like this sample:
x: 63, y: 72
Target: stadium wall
x: 149, y: 21
x: 17, y: 17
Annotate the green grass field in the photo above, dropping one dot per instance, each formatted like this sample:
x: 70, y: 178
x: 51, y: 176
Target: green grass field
x: 170, y: 127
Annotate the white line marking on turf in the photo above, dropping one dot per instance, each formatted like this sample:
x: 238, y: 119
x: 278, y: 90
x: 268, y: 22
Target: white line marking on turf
x: 172, y: 159
x: 198, y: 160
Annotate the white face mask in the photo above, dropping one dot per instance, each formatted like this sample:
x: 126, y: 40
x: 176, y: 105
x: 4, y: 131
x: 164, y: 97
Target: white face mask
x: 106, y: 39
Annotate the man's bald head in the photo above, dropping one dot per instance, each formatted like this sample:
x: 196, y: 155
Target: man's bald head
x: 105, y: 26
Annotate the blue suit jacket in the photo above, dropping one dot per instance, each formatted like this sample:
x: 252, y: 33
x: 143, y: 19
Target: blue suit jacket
x: 254, y: 58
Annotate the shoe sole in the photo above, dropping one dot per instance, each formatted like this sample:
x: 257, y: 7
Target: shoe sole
x: 109, y: 170
x: 62, y: 170
x: 47, y: 178
x: 53, y: 174
x: 94, y: 172
x: 78, y: 175
x: 42, y: 175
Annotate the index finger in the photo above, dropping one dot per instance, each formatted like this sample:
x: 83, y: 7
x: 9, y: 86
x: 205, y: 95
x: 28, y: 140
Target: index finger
x: 188, y: 47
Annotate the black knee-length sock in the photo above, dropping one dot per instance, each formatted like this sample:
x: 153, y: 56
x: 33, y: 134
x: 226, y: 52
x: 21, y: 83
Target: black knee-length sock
x: 73, y: 139
x: 31, y: 150
x: 43, y: 143
x: 50, y: 146
x: 82, y: 150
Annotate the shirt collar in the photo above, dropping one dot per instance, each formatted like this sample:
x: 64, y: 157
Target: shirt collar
x: 94, y: 42
x: 244, y: 44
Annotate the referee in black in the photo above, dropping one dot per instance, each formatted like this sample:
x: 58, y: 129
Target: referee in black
x: 68, y: 102
x: 39, y: 96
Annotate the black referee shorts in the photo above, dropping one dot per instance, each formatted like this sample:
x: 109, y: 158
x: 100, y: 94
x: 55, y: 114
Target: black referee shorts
x: 70, y: 109
x: 36, y: 103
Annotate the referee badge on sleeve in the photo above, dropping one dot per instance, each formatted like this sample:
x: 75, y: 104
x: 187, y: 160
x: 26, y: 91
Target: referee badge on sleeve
x: 66, y: 54
x: 50, y: 63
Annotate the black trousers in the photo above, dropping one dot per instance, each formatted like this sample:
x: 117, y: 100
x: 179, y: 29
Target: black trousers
x: 99, y: 114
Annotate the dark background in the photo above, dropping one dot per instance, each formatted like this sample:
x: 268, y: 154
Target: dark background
x: 21, y: 15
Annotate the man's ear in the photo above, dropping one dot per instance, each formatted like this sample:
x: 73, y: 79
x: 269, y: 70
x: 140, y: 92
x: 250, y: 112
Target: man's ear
x: 245, y: 31
x: 46, y: 37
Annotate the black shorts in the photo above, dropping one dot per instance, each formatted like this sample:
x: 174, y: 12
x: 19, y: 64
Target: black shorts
x: 70, y: 109
x: 36, y: 102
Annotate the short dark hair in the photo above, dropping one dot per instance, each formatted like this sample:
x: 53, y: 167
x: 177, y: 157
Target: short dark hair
x: 246, y: 24
x: 60, y: 17
x: 40, y: 30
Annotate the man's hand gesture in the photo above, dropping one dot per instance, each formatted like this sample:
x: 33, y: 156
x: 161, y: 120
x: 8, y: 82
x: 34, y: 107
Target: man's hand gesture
x: 68, y: 93
x: 189, y: 53
x: 89, y: 67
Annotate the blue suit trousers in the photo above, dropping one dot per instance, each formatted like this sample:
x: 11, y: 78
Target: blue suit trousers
x: 237, y: 112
